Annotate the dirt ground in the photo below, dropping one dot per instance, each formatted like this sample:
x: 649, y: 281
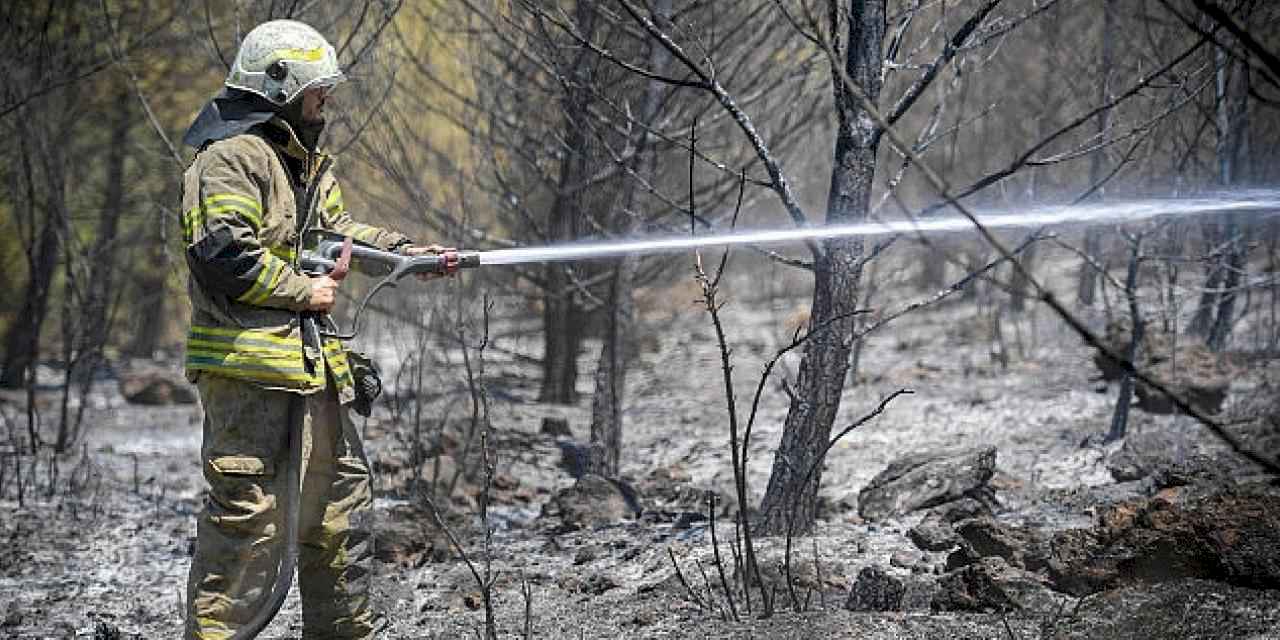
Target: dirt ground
x: 108, y: 548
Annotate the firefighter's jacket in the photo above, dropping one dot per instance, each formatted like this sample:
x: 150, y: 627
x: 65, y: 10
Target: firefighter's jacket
x: 246, y: 200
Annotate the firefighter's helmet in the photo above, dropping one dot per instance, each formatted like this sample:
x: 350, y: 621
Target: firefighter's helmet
x: 279, y: 59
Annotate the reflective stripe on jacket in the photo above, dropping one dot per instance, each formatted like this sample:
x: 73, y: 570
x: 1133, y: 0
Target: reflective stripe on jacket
x: 240, y: 222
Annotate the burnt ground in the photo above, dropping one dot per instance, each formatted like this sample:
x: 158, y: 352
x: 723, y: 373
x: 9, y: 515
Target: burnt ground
x: 108, y: 547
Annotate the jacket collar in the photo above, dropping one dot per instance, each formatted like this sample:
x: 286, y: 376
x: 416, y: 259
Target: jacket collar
x: 286, y: 138
x: 233, y: 112
x: 230, y: 113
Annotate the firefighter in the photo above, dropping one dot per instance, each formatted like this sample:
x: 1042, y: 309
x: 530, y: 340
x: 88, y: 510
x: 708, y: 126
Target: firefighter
x: 268, y: 387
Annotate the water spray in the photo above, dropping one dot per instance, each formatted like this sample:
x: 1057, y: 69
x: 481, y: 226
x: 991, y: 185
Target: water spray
x: 325, y: 252
x: 1258, y: 201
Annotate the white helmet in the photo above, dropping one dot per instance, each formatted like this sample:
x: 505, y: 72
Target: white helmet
x: 279, y: 59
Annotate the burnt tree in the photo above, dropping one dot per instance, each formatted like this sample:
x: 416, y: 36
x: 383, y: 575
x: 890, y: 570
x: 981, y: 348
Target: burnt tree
x: 792, y: 491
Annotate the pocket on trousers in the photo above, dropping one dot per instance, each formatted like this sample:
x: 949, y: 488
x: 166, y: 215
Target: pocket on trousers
x: 242, y: 466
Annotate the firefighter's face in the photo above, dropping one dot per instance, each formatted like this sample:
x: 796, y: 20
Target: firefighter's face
x: 313, y: 100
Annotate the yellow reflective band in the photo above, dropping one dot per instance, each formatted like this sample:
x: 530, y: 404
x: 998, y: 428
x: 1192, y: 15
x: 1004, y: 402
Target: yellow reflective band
x: 223, y: 203
x: 248, y: 359
x: 249, y: 215
x: 252, y: 354
x: 334, y: 201
x: 218, y: 198
x: 211, y: 629
x: 265, y: 283
x: 191, y: 220
x: 250, y: 334
x: 266, y: 353
x: 277, y: 273
x: 305, y: 55
x: 236, y: 368
x: 336, y: 357
x: 284, y: 253
x: 365, y: 233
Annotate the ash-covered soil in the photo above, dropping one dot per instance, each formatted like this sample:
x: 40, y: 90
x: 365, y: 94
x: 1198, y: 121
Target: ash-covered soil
x: 106, y: 549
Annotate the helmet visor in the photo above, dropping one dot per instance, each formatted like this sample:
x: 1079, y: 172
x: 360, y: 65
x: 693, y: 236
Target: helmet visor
x: 327, y: 82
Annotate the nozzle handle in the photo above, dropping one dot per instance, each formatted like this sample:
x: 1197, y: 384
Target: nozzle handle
x: 333, y: 256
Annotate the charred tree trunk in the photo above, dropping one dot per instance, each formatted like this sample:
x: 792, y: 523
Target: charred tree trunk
x: 104, y: 258
x: 22, y: 342
x: 1233, y: 159
x: 562, y: 339
x: 1019, y: 282
x: 790, y: 500
x: 1215, y: 312
x: 1087, y: 282
x: 611, y: 371
x: 616, y: 354
x: 562, y: 316
x: 1120, y: 417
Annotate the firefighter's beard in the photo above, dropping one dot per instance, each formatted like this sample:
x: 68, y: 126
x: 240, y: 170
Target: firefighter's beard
x: 308, y: 131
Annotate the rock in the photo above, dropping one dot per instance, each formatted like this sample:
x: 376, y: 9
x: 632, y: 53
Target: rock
x: 807, y: 574
x: 1076, y: 565
x: 985, y: 538
x: 645, y: 617
x: 571, y: 582
x: 903, y: 559
x: 685, y: 519
x: 398, y: 544
x: 592, y: 502
x: 1186, y: 366
x: 599, y: 583
x: 579, y: 460
x: 156, y: 389
x: 991, y: 584
x: 933, y: 534
x: 670, y: 491
x: 12, y: 616
x: 670, y: 475
x: 967, y: 507
x: 1198, y: 470
x: 1227, y: 535
x: 1185, y: 608
x: 924, y: 480
x: 555, y: 427
x: 1156, y: 455
x: 587, y: 554
x: 1126, y: 465
x: 876, y: 590
x: 575, y: 458
x: 1194, y: 373
x: 402, y: 538
x: 1255, y: 417
x: 473, y: 600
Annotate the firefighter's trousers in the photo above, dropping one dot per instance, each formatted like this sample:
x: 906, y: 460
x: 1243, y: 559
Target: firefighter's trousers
x: 240, y: 533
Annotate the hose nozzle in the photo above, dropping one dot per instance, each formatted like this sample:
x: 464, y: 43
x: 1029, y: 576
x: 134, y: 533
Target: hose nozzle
x: 468, y: 259
x: 450, y: 261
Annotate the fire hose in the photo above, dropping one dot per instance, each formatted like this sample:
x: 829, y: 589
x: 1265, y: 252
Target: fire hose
x: 335, y: 256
